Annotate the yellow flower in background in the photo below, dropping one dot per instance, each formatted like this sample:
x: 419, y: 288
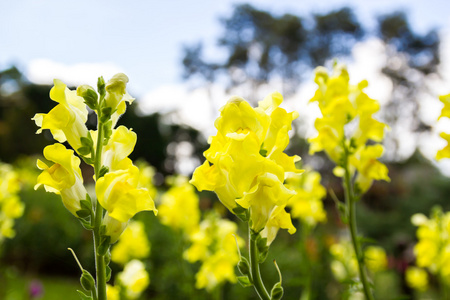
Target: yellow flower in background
x: 416, y: 278
x: 444, y: 152
x: 214, y: 245
x: 146, y: 175
x: 345, y: 266
x: 375, y: 258
x: 179, y: 206
x: 307, y: 204
x: 112, y: 292
x: 66, y: 121
x: 433, y: 246
x: 369, y: 168
x: 445, y: 112
x: 134, y: 279
x: 245, y: 163
x: 133, y: 244
x: 63, y: 177
x: 117, y: 192
x: 347, y: 125
x: 10, y: 205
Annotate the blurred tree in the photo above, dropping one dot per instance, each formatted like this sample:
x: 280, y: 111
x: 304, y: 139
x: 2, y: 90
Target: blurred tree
x: 411, y: 59
x: 261, y: 47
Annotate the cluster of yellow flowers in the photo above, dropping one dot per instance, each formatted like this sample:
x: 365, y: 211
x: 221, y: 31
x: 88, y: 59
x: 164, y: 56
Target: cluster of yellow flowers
x: 212, y: 239
x: 432, y: 249
x: 306, y: 205
x: 344, y: 265
x: 179, y: 206
x: 117, y: 189
x: 10, y: 205
x: 445, y: 112
x: 346, y: 125
x: 246, y: 166
x: 214, y: 244
x: 134, y: 279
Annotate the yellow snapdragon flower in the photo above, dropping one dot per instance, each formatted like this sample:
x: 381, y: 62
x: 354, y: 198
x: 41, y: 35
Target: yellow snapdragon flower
x: 416, y: 278
x: 375, y: 258
x: 179, y: 206
x: 347, y: 124
x: 245, y: 163
x: 10, y: 205
x: 66, y: 121
x: 118, y: 193
x: 213, y: 244
x: 134, y: 279
x: 345, y: 266
x: 133, y: 244
x: 112, y: 292
x: 433, y: 246
x: 63, y: 177
x: 307, y: 204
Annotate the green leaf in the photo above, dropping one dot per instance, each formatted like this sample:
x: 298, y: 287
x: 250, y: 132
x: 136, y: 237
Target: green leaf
x: 86, y: 224
x: 104, y: 246
x: 87, y: 281
x: 106, y: 114
x: 244, y: 281
x: 241, y: 213
x: 244, y: 266
x: 83, y: 213
x: 83, y: 296
x: 103, y: 171
x: 84, y: 150
x: 87, y: 141
x: 108, y: 273
x: 107, y: 132
x: 101, y: 87
x: 277, y: 292
x: 88, y: 160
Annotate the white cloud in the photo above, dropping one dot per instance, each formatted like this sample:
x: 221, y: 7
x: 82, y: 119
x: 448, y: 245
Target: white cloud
x: 43, y: 71
x: 198, y: 108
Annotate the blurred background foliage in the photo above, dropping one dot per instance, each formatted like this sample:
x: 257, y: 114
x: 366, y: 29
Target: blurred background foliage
x: 259, y: 47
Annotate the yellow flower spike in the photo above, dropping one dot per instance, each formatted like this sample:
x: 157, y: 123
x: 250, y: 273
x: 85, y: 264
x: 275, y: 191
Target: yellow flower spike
x: 214, y: 245
x: 179, y: 208
x: 307, y: 204
x: 445, y: 112
x: 117, y: 192
x: 416, y: 278
x: 12, y: 207
x: 134, y: 278
x: 63, y: 177
x: 133, y: 244
x: 66, y: 121
x: 262, y: 199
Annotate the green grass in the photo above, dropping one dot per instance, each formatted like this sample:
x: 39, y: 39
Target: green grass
x: 15, y: 286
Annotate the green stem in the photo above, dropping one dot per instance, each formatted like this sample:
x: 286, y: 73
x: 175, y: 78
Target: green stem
x: 254, y: 269
x: 351, y: 209
x: 100, y: 266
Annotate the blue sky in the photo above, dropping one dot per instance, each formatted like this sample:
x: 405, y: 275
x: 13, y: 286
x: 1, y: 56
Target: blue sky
x: 144, y: 38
